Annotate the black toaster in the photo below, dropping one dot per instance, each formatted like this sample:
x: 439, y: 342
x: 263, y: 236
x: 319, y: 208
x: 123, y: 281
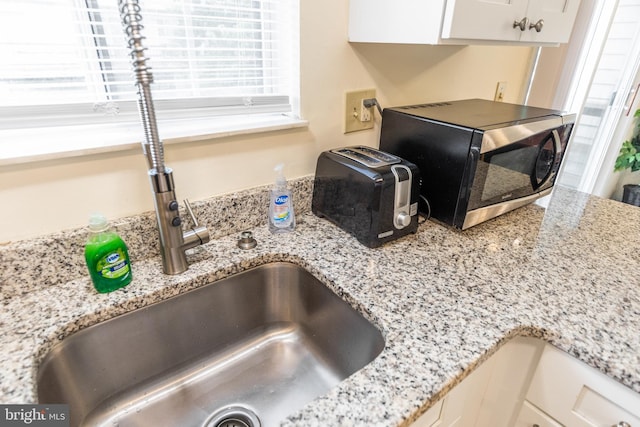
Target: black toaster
x: 370, y: 194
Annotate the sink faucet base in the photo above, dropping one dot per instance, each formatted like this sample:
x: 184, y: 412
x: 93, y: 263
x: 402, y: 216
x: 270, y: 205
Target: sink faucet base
x: 174, y: 260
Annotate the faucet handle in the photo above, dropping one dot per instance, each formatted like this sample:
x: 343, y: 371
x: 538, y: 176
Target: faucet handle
x: 197, y: 235
x: 193, y: 217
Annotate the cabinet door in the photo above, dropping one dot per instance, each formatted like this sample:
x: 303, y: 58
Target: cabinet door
x: 531, y: 416
x: 515, y: 364
x: 459, y: 408
x: 578, y: 395
x: 483, y: 19
x: 385, y: 21
x: 492, y: 394
x: 555, y: 19
x: 433, y: 417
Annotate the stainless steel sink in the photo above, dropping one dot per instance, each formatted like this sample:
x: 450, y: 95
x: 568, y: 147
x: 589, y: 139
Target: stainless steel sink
x: 250, y: 350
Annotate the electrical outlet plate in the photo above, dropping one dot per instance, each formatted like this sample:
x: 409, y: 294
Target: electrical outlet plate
x: 501, y: 88
x: 353, y: 111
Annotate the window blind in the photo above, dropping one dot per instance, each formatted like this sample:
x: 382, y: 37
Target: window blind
x: 66, y: 61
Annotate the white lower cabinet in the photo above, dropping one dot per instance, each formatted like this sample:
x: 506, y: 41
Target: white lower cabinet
x: 531, y: 416
x: 431, y: 418
x: 575, y: 394
x: 461, y: 405
x: 491, y: 395
x: 528, y: 383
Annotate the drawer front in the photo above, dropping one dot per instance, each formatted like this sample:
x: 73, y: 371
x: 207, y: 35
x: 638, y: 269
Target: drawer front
x: 530, y: 416
x: 576, y: 394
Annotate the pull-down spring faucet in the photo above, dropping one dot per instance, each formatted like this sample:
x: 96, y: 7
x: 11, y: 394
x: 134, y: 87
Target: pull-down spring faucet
x: 173, y: 242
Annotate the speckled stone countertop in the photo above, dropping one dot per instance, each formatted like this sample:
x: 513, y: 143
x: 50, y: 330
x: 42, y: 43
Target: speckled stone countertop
x: 444, y: 300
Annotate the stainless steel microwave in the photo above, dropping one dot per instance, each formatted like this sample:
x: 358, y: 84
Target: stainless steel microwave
x: 478, y: 159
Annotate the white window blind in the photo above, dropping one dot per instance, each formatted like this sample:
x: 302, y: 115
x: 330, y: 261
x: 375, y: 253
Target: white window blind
x: 66, y: 62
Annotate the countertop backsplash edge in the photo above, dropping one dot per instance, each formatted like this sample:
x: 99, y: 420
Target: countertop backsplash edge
x: 63, y: 251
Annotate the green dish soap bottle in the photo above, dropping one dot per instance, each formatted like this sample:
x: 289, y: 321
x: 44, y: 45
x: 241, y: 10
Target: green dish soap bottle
x: 107, y: 256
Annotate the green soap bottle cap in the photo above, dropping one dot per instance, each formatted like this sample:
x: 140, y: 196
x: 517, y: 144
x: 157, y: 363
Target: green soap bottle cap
x: 98, y: 222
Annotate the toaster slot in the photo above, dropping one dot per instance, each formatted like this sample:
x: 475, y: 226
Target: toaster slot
x: 367, y: 156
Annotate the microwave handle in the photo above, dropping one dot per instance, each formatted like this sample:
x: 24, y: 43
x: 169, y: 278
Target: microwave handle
x: 558, y: 151
x: 557, y: 148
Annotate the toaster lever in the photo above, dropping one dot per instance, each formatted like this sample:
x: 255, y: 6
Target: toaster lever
x: 402, y: 198
x: 403, y: 174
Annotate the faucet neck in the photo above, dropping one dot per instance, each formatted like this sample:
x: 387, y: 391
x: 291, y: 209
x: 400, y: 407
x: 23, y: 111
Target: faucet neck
x: 173, y: 243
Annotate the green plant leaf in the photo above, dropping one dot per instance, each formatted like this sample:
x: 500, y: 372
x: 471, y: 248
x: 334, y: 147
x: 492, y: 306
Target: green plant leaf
x: 629, y: 154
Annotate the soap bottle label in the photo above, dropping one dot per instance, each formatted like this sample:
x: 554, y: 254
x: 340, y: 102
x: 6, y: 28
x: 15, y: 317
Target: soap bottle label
x: 113, y: 265
x: 281, y: 209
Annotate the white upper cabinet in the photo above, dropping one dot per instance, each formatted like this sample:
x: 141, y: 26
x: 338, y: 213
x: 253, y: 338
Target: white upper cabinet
x: 484, y: 19
x: 555, y: 19
x: 534, y: 22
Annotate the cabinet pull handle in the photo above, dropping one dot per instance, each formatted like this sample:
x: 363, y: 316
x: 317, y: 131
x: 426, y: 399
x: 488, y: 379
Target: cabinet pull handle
x: 622, y: 424
x: 522, y: 24
x: 538, y: 25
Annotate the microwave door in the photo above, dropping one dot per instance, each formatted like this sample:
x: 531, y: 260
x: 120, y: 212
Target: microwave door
x: 518, y: 167
x: 550, y: 151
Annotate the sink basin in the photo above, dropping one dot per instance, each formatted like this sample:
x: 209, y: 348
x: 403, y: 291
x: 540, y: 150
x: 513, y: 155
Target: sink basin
x: 247, y: 350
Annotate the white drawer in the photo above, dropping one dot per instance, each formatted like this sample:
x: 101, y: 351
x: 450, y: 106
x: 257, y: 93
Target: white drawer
x: 531, y: 416
x: 578, y: 395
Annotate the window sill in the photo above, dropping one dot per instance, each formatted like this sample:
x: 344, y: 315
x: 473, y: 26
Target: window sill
x: 50, y: 143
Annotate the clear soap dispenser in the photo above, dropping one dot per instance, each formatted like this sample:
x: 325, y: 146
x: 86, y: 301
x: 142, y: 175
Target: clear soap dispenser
x: 281, y: 215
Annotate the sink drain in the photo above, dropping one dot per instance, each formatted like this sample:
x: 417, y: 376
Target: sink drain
x: 233, y: 416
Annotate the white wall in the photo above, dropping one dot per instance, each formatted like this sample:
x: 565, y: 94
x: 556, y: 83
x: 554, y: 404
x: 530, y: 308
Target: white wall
x: 51, y: 196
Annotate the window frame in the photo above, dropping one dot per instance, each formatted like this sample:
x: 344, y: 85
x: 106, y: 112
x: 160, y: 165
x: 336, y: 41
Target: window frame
x: 44, y: 132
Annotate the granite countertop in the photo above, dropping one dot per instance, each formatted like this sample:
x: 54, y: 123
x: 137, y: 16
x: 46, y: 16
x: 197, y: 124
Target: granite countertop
x: 444, y: 300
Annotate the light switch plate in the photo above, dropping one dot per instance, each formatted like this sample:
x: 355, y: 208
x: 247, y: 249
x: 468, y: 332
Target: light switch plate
x: 353, y: 110
x: 501, y: 88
